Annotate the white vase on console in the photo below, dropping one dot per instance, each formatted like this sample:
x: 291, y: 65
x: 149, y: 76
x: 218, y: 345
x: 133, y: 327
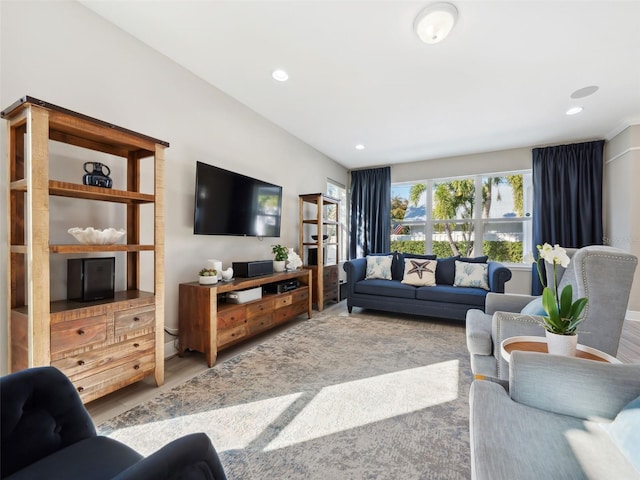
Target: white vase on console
x: 216, y: 265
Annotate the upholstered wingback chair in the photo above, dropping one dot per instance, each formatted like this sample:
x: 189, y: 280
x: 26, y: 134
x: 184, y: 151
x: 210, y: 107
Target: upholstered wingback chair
x: 602, y: 274
x: 47, y: 433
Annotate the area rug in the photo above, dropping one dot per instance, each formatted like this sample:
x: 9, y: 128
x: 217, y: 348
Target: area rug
x: 336, y: 397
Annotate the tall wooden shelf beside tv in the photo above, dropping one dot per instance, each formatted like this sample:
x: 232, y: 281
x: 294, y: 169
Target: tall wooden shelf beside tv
x: 102, y: 345
x: 319, y: 214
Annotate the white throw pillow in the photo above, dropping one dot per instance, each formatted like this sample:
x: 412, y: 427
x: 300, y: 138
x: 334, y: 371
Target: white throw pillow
x: 418, y: 272
x: 379, y: 266
x: 472, y: 275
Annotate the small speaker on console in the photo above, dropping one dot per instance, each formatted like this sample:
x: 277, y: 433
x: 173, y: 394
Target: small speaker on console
x: 90, y: 279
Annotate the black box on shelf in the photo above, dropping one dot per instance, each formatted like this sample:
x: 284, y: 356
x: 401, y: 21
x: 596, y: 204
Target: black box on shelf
x: 90, y: 279
x: 252, y: 269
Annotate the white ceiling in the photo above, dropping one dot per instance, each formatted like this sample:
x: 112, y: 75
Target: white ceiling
x: 359, y: 74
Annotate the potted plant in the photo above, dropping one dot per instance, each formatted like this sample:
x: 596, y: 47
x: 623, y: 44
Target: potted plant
x: 208, y: 276
x: 563, y: 315
x: 281, y: 255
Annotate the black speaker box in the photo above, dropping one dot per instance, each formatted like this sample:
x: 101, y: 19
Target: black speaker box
x: 252, y: 269
x: 90, y: 279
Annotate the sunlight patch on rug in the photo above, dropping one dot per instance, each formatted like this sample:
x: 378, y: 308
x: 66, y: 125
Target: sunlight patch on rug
x: 229, y: 428
x: 354, y: 404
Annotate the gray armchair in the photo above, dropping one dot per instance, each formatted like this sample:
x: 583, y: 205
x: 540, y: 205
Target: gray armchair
x: 602, y: 274
x: 562, y: 418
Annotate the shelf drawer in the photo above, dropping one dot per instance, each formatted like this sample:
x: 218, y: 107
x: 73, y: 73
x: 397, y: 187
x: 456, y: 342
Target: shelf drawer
x: 290, y: 311
x: 258, y: 324
x: 259, y: 308
x: 300, y: 295
x: 127, y: 321
x: 75, y: 334
x: 231, y: 335
x: 95, y: 361
x: 112, y: 379
x: 232, y: 317
x: 282, y: 301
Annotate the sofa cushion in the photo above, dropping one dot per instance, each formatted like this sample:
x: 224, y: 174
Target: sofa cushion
x: 404, y: 256
x: 451, y: 294
x: 96, y: 458
x: 419, y: 272
x: 534, y: 307
x: 446, y: 270
x: 385, y: 288
x: 470, y: 274
x: 379, y: 266
x: 625, y: 432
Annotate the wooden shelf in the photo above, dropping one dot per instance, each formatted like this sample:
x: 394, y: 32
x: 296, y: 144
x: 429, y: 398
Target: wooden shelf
x: 88, y: 192
x: 105, y: 345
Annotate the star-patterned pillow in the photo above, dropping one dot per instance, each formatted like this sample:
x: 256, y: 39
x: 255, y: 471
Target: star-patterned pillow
x: 420, y: 273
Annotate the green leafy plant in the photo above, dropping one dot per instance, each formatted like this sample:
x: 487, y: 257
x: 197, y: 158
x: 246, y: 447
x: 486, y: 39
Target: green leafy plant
x: 280, y: 252
x: 563, y: 314
x: 208, y: 272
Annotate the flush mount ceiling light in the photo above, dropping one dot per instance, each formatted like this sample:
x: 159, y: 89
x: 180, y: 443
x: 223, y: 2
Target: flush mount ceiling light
x: 434, y: 23
x: 573, y: 110
x: 280, y: 75
x: 359, y: 147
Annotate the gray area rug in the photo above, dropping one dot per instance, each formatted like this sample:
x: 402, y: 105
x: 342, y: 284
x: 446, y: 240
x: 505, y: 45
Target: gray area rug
x: 336, y: 397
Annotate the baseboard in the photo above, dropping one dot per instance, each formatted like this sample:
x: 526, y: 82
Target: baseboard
x: 633, y: 315
x: 170, y: 349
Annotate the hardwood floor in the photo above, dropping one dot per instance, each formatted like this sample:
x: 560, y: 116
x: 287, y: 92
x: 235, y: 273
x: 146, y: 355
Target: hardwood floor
x: 178, y: 370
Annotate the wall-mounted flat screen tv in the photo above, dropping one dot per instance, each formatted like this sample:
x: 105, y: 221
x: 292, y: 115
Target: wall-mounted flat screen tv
x: 228, y: 203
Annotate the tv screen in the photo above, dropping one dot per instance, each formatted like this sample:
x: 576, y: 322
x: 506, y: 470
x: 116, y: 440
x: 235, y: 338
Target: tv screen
x: 228, y: 203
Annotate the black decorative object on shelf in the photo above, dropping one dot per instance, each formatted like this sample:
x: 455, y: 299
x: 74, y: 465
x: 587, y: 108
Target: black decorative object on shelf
x: 97, y: 177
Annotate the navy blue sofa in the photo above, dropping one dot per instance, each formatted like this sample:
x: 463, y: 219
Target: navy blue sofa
x: 444, y: 300
x: 48, y: 434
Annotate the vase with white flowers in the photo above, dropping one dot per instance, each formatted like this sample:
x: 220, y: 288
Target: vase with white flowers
x: 563, y: 315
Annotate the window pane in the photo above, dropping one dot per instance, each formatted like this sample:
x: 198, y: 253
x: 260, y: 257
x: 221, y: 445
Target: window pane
x: 502, y: 196
x: 453, y: 239
x: 408, y: 238
x: 453, y: 199
x: 502, y: 241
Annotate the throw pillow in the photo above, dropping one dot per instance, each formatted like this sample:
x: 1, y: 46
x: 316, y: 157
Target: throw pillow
x: 418, y: 272
x: 482, y: 259
x: 625, y: 432
x: 404, y: 256
x: 472, y: 275
x: 379, y: 266
x: 534, y: 307
x: 446, y: 270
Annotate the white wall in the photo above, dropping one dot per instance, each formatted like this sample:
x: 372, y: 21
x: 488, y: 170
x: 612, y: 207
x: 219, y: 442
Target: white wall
x: 622, y: 221
x: 63, y: 53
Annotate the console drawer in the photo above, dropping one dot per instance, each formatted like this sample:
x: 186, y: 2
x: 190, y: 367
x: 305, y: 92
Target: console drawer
x: 232, y: 317
x: 94, y: 386
x: 231, y: 335
x: 75, y: 334
x: 127, y: 321
x: 259, y: 308
x: 259, y: 324
x: 95, y: 361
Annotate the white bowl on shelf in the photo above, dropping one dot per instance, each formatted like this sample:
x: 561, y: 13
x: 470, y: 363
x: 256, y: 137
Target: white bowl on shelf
x: 94, y: 236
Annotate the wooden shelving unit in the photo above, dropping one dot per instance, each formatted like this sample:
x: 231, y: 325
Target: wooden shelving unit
x: 104, y: 345
x: 325, y: 273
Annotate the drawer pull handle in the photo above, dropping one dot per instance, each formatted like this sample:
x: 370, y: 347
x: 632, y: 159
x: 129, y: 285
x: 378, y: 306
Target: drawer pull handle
x: 80, y: 362
x: 136, y: 367
x: 81, y: 389
x: 80, y: 332
x: 136, y: 345
x: 136, y: 319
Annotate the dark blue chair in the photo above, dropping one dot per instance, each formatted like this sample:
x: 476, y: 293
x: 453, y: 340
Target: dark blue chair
x: 48, y: 434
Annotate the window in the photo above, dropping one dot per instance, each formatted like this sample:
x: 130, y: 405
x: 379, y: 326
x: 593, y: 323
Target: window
x: 440, y: 216
x: 336, y: 190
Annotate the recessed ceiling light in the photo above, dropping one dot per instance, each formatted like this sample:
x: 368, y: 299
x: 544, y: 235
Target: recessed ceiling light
x: 585, y: 92
x: 573, y: 110
x: 359, y: 147
x: 280, y: 75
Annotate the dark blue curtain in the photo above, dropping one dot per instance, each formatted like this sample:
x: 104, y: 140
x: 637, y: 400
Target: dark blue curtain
x: 370, y: 212
x: 567, y: 197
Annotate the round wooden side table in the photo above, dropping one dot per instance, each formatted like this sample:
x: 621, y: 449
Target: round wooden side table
x: 539, y: 344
